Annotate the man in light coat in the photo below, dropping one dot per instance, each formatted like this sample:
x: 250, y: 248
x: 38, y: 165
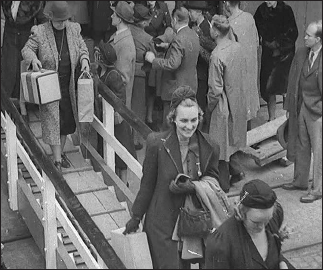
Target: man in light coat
x: 304, y: 111
x: 226, y: 100
x: 179, y: 64
x: 122, y: 42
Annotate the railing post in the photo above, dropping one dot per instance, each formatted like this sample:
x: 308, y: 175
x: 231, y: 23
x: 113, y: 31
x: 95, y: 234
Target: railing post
x: 11, y: 141
x: 108, y: 123
x: 49, y: 222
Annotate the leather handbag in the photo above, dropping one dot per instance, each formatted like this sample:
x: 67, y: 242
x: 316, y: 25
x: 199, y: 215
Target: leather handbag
x: 194, y: 223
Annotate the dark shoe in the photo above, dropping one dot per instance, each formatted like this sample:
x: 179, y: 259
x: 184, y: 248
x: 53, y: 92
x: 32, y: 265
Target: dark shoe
x: 65, y: 161
x: 138, y: 146
x: 237, y: 177
x: 291, y: 186
x: 309, y: 198
x: 58, y: 165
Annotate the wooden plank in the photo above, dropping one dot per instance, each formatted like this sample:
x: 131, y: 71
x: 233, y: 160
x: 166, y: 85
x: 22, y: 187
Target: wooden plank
x: 85, y: 182
x: 64, y: 255
x: 106, y: 224
x: 108, y: 200
x: 272, y: 158
x: 264, y: 131
x: 120, y: 218
x: 75, y: 237
x: 76, y: 159
x: 91, y: 203
x: 269, y: 148
x: 36, y: 129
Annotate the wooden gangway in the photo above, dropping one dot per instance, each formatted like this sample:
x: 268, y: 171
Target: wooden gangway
x: 51, y: 211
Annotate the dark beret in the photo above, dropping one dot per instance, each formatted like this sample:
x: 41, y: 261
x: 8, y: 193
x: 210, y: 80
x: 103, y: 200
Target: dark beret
x: 108, y: 52
x: 180, y: 94
x: 257, y: 194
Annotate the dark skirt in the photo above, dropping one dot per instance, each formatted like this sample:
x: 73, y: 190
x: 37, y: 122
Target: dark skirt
x: 274, y: 73
x: 66, y: 117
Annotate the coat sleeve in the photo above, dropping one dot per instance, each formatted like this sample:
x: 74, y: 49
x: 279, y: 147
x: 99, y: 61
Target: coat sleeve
x: 149, y: 178
x: 30, y: 50
x: 84, y: 52
x: 216, y: 82
x: 217, y: 252
x: 174, y: 60
x: 125, y: 63
x: 291, y: 84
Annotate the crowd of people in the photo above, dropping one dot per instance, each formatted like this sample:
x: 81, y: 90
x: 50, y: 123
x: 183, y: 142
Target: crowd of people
x: 203, y: 68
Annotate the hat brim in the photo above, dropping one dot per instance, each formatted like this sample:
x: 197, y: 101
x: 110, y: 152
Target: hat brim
x: 282, y: 134
x: 120, y: 15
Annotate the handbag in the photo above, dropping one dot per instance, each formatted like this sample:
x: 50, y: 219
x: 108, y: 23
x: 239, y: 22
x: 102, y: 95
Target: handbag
x: 85, y: 97
x: 194, y: 223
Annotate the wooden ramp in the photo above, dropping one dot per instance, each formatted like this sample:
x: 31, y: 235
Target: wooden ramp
x: 97, y: 198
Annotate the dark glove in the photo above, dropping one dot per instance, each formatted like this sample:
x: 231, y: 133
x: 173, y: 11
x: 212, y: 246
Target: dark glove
x: 132, y: 225
x: 182, y: 187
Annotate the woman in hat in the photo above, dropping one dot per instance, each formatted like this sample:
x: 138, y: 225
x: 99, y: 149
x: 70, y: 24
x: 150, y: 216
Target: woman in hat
x: 181, y: 149
x: 106, y: 57
x: 252, y: 238
x: 58, y: 45
x: 143, y: 43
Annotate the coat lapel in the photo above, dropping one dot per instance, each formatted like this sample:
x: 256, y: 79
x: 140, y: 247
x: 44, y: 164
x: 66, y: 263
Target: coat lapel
x: 52, y: 43
x: 171, y: 145
x: 205, y: 151
x: 315, y: 65
x: 69, y: 36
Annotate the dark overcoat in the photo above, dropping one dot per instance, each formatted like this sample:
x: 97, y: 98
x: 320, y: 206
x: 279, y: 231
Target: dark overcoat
x: 292, y: 99
x: 16, y: 33
x: 278, y: 31
x: 179, y: 65
x: 161, y: 165
x: 231, y: 247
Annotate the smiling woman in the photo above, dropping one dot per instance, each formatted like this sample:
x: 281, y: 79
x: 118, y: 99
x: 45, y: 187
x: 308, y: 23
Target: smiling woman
x: 181, y: 149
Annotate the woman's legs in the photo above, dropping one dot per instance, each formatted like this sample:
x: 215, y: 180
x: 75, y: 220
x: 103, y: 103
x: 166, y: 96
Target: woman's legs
x: 272, y: 107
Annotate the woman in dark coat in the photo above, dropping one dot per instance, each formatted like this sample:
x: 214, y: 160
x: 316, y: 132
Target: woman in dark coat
x: 111, y: 77
x: 277, y: 29
x: 16, y: 33
x: 168, y: 154
x: 251, y: 239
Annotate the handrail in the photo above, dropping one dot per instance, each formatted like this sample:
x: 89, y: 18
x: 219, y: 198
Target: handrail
x: 127, y: 114
x: 94, y: 234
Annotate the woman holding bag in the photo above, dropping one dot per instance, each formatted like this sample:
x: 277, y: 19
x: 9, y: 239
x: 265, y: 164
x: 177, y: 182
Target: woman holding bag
x: 58, y: 45
x: 160, y: 197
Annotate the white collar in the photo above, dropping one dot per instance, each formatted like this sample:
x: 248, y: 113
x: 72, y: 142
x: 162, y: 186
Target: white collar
x: 179, y: 29
x: 120, y: 31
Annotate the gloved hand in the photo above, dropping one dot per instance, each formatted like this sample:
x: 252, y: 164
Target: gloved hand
x: 182, y: 187
x: 132, y: 225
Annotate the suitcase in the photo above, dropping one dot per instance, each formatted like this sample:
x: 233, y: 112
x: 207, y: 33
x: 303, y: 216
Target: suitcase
x: 40, y: 87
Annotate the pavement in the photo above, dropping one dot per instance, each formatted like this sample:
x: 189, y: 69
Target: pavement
x: 303, y: 248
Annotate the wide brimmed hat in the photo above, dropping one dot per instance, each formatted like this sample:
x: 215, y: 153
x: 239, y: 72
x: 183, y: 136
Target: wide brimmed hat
x: 257, y: 194
x: 108, y: 52
x: 282, y: 134
x: 124, y: 11
x: 57, y: 11
x: 141, y: 13
x: 200, y: 5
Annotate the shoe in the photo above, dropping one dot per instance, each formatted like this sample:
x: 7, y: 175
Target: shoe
x: 138, y: 146
x: 65, y: 162
x: 291, y: 186
x: 237, y: 177
x: 309, y: 198
x: 58, y: 165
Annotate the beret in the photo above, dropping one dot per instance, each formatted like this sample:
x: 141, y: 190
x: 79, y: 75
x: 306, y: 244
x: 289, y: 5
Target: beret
x: 108, y: 52
x: 180, y: 94
x: 257, y: 194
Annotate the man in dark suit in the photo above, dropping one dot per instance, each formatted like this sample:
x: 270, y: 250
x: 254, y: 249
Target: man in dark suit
x: 304, y: 110
x: 179, y: 64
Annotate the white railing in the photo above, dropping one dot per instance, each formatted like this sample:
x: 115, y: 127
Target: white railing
x: 50, y: 212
